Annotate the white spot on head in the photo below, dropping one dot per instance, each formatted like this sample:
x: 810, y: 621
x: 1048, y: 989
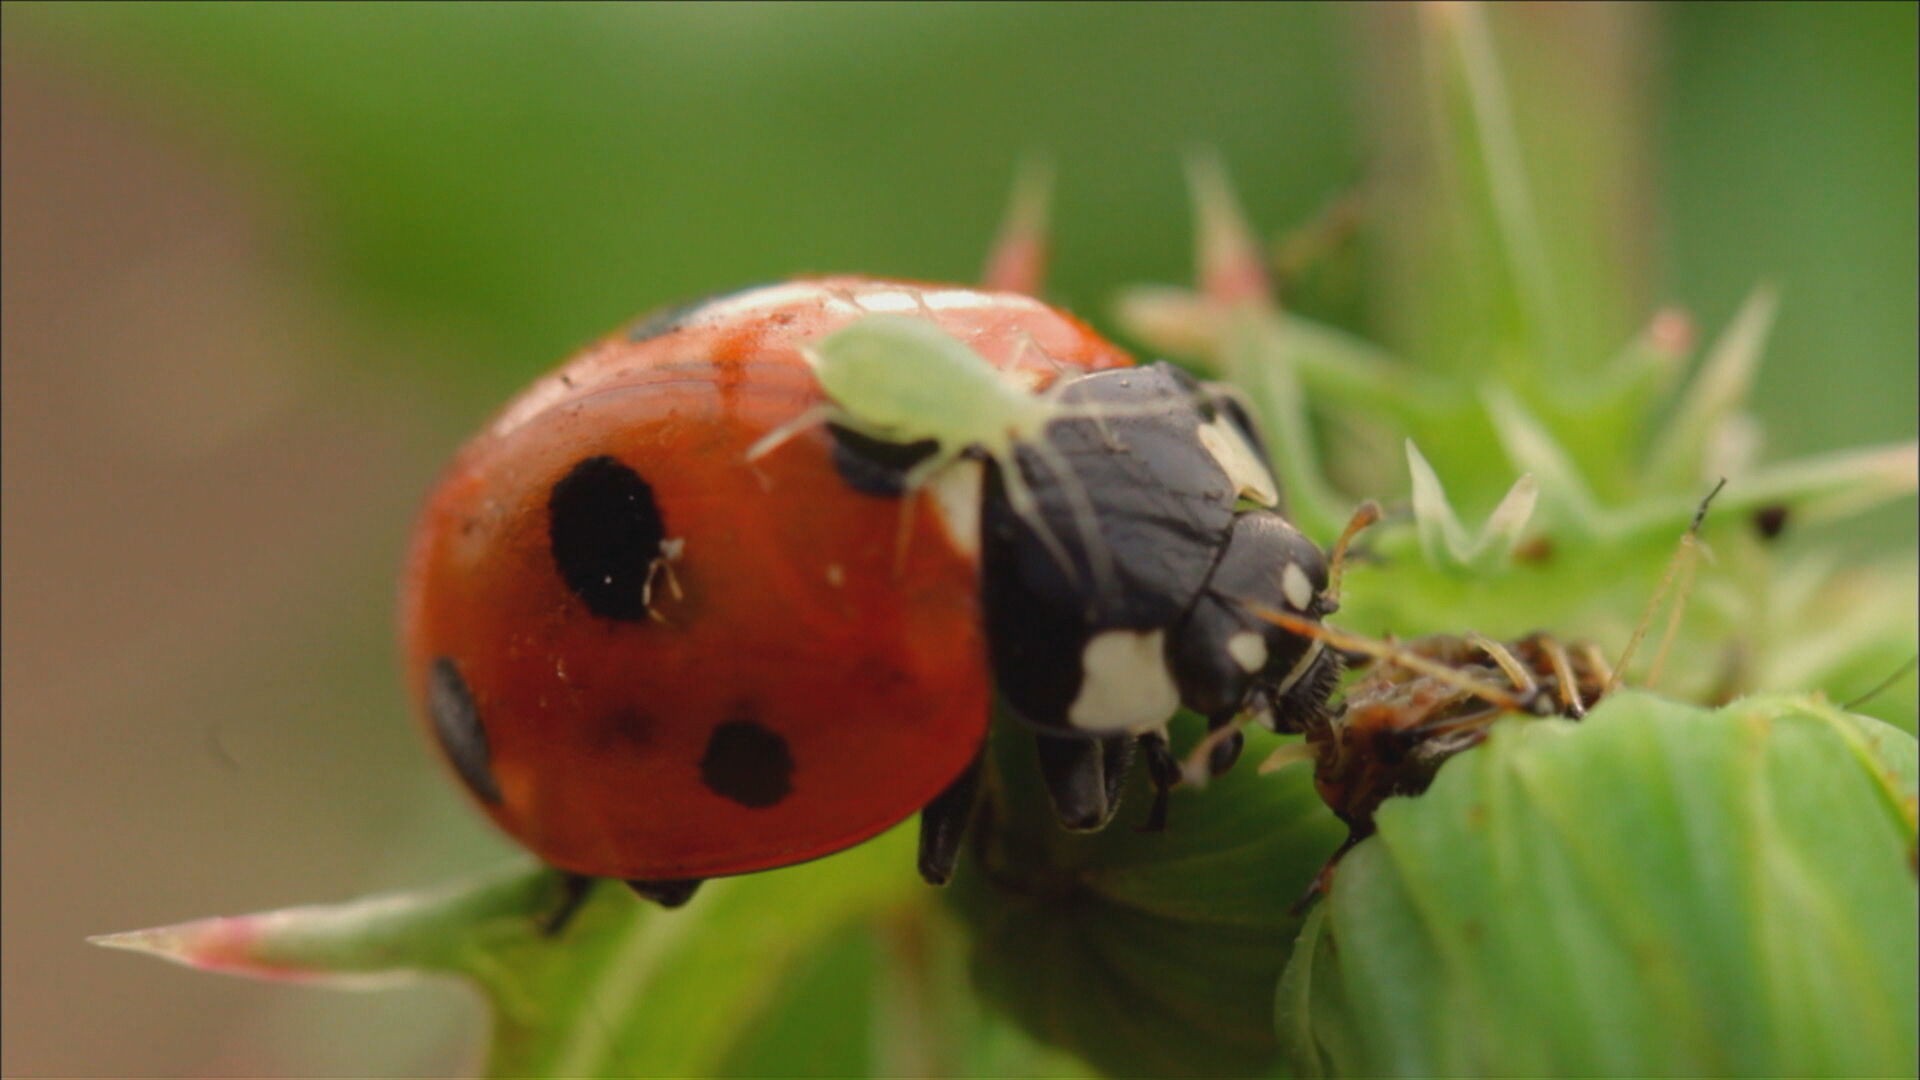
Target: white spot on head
x: 1124, y: 683
x: 1250, y: 477
x: 956, y: 500
x: 1249, y: 650
x: 1296, y: 588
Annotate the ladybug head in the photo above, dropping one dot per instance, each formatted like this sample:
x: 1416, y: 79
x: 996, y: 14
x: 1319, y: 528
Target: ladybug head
x: 1235, y: 655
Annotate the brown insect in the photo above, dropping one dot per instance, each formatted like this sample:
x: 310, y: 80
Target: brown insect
x: 1420, y: 702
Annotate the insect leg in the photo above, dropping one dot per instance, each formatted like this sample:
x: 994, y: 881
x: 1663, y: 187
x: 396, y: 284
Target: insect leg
x: 943, y: 824
x: 1556, y: 654
x: 669, y: 893
x: 1086, y: 521
x: 773, y: 440
x: 1021, y: 498
x: 574, y: 891
x: 1164, y: 770
x: 1078, y: 779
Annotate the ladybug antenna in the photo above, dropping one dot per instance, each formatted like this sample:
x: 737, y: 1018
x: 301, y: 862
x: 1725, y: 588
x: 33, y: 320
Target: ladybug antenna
x: 1679, y: 568
x: 1363, y: 518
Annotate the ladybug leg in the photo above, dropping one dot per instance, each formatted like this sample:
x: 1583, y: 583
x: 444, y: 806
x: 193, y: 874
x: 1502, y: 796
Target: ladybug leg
x: 1164, y: 769
x: 668, y: 894
x: 1227, y: 751
x: 1116, y: 758
x: 943, y: 824
x: 574, y: 891
x: 1083, y: 776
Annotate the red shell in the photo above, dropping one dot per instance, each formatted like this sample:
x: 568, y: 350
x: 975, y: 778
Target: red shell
x: 792, y: 608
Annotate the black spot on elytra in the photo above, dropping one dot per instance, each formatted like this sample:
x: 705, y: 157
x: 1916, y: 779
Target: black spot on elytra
x: 872, y: 467
x: 456, y: 723
x: 1771, y: 521
x: 747, y: 763
x: 605, y: 533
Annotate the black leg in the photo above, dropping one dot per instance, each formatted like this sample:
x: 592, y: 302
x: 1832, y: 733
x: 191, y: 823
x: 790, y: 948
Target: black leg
x: 943, y: 824
x: 574, y: 890
x: 1228, y: 751
x: 1116, y: 758
x: 668, y: 894
x: 1076, y: 775
x: 1164, y: 769
x: 1323, y: 880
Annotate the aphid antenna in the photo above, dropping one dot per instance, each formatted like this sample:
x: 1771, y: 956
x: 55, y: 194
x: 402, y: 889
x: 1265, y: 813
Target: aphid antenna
x: 1679, y: 568
x: 1883, y: 685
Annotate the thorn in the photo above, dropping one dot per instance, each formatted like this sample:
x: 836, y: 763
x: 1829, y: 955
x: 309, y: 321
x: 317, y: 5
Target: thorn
x: 1229, y: 263
x: 1018, y: 261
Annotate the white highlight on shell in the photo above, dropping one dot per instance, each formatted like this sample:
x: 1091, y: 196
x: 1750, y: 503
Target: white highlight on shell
x: 1296, y: 588
x: 956, y: 499
x: 1124, y: 683
x: 1250, y: 477
x: 836, y: 574
x: 865, y: 296
x: 1249, y: 650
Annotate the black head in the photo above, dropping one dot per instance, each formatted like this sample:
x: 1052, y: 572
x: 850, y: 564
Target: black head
x: 1231, y: 655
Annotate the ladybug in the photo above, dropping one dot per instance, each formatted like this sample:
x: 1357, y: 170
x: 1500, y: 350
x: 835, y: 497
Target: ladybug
x: 692, y: 606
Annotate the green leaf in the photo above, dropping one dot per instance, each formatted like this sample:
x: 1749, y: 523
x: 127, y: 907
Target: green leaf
x: 1144, y: 953
x: 626, y: 989
x: 1659, y: 889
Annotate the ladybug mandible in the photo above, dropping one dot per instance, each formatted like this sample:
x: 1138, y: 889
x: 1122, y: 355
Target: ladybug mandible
x: 697, y: 605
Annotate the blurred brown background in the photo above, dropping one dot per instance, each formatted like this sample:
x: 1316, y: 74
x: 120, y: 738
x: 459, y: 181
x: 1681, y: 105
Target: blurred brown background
x: 264, y: 267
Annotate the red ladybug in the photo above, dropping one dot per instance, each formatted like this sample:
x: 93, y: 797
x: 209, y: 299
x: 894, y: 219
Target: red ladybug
x: 650, y: 658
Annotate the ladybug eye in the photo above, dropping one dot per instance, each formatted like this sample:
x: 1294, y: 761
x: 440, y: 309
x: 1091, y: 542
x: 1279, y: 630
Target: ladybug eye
x: 606, y: 533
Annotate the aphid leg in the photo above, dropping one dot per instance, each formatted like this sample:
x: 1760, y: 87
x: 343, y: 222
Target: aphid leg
x: 1021, y: 498
x: 943, y: 824
x: 1523, y: 682
x: 668, y: 894
x: 1682, y: 556
x: 903, y: 533
x: 1085, y: 521
x: 1164, y: 770
x: 574, y: 891
x: 1076, y: 774
x: 773, y: 440
x: 1569, y: 688
x: 1380, y: 650
x: 1597, y: 660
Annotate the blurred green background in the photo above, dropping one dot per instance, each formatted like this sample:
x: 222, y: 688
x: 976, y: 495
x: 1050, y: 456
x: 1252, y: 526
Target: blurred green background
x: 265, y: 266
